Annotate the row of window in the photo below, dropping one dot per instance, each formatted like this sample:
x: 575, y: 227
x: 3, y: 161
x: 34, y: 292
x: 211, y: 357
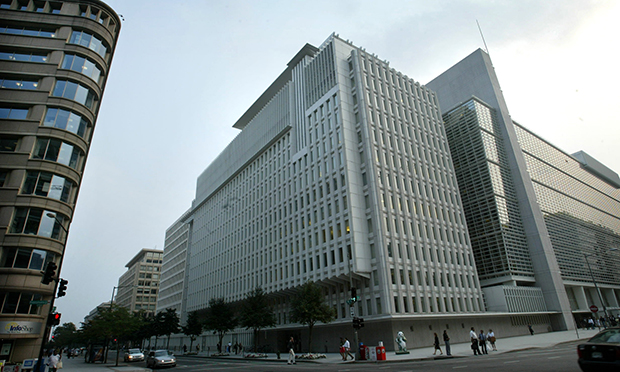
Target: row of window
x: 36, y: 221
x: 82, y: 38
x: 33, y: 6
x: 19, y: 303
x: 25, y: 258
x: 63, y: 88
x: 48, y: 149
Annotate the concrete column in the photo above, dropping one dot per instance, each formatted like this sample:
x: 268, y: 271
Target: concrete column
x: 580, y: 296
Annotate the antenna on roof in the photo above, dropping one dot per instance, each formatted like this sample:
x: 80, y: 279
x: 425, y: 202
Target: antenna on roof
x: 481, y: 35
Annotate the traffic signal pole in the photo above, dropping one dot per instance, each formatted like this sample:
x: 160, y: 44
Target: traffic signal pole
x: 46, y: 331
x: 352, y: 308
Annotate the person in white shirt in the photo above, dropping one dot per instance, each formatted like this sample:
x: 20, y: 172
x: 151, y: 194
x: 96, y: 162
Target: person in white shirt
x: 491, y: 338
x: 474, y: 341
x: 52, y: 361
x: 347, y: 349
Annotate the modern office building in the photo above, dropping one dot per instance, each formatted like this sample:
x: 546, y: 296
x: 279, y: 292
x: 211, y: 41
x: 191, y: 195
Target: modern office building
x: 138, y: 287
x: 544, y: 225
x: 104, y: 306
x: 173, y: 284
x: 55, y: 59
x: 341, y: 175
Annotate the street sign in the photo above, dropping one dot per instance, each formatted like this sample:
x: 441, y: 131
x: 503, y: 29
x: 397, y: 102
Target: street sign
x: 39, y: 303
x: 352, y: 311
x: 593, y: 308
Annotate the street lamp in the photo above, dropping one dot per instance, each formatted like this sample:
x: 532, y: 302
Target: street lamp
x: 598, y: 290
x: 114, y: 289
x: 47, y: 328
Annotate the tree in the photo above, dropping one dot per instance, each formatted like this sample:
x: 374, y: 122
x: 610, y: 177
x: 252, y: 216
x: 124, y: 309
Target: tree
x: 220, y: 318
x: 308, y: 307
x: 169, y: 323
x: 65, y: 335
x: 192, y: 328
x: 256, y: 314
x: 115, y: 323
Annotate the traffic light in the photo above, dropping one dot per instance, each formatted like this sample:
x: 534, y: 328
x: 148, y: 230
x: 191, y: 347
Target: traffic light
x: 358, y: 323
x: 62, y: 287
x: 53, y: 319
x: 49, y: 273
x: 354, y: 297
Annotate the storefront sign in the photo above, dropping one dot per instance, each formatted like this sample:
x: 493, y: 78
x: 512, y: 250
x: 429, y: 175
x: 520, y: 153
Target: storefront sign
x: 20, y: 327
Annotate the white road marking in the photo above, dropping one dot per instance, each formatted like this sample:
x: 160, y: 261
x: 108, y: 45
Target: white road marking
x: 512, y: 361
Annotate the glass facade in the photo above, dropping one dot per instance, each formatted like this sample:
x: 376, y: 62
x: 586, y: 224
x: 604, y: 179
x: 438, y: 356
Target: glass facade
x: 581, y: 211
x: 486, y: 187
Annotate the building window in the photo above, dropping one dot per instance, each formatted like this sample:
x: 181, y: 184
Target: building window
x: 8, y: 144
x: 81, y: 65
x: 23, y: 57
x: 13, y: 113
x: 18, y: 84
x: 74, y: 91
x: 89, y: 41
x: 57, y: 151
x: 27, y: 31
x: 21, y: 258
x: 35, y: 221
x: 48, y: 185
x: 19, y: 303
x: 67, y: 120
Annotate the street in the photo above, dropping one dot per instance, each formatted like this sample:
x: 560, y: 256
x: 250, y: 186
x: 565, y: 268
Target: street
x: 558, y: 358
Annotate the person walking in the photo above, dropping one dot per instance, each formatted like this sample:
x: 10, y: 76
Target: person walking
x: 437, y: 347
x: 342, y: 352
x: 492, y: 339
x: 529, y: 327
x: 474, y: 341
x: 446, y: 341
x: 347, y: 349
x: 482, y: 341
x: 53, y: 361
x: 291, y: 351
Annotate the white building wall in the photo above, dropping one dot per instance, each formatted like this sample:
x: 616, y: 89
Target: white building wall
x: 373, y: 183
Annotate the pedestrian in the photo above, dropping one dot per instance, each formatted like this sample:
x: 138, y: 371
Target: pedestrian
x: 291, y: 351
x: 529, y: 327
x: 347, y: 349
x: 342, y: 351
x: 53, y: 361
x: 474, y: 341
x: 184, y: 349
x: 446, y: 340
x: 240, y: 348
x: 437, y: 347
x: 482, y: 341
x: 492, y: 339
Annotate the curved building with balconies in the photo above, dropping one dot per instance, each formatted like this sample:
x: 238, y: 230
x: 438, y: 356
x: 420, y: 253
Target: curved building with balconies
x: 55, y: 58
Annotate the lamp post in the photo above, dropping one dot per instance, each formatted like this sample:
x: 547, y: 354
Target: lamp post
x: 598, y: 290
x: 47, y: 328
x: 112, y: 303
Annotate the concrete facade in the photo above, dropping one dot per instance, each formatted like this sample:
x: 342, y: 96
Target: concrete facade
x: 54, y: 65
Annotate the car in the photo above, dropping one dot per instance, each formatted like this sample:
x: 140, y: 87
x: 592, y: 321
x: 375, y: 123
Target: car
x: 601, y: 352
x: 134, y: 355
x: 160, y: 358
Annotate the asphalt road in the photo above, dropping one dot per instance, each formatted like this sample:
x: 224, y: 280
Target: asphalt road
x: 560, y: 358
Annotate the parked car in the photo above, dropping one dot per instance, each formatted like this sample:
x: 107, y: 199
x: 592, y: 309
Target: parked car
x: 160, y: 358
x: 134, y: 355
x: 601, y: 352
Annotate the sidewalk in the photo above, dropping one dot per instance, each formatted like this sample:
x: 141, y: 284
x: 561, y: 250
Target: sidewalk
x: 458, y: 350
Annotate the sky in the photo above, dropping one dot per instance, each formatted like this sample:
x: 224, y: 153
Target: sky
x: 184, y: 71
